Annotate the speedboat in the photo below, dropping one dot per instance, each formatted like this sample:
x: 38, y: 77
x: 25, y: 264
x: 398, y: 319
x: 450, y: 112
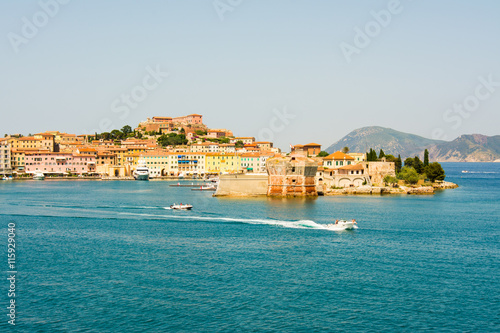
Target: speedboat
x: 343, y: 225
x: 6, y: 178
x: 465, y: 171
x: 181, y: 207
x: 142, y: 171
x: 38, y: 176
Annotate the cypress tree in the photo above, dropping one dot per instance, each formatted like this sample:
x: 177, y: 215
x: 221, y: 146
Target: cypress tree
x: 381, y: 154
x: 426, y: 158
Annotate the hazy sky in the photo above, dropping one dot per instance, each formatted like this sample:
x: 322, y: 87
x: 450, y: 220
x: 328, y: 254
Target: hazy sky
x: 291, y: 71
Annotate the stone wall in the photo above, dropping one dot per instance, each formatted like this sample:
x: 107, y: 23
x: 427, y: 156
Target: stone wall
x: 248, y: 184
x: 292, y: 176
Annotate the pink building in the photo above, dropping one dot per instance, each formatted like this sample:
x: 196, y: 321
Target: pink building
x: 48, y: 162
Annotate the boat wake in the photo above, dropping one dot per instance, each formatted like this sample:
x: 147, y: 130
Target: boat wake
x: 301, y: 224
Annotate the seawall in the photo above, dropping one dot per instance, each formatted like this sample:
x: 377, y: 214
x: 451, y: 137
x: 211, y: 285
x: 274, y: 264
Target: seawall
x: 242, y: 185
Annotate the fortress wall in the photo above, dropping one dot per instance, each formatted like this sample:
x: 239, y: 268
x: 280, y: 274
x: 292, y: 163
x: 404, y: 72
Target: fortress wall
x: 242, y: 185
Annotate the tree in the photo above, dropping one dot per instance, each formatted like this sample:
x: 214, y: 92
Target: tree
x: 426, y: 158
x: 409, y: 162
x: 388, y: 179
x: 224, y: 140
x: 239, y: 144
x: 381, y: 154
x: 200, y: 132
x: 434, y: 171
x: 418, y: 165
x: 371, y: 156
x: 172, y: 139
x: 323, y: 154
x: 398, y: 163
x: 126, y: 130
x: 409, y: 174
x: 345, y: 150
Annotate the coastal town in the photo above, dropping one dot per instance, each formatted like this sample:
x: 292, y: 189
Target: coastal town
x: 185, y: 148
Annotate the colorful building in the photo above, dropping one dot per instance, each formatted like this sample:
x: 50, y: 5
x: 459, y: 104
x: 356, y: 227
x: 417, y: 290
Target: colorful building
x: 58, y: 163
x: 216, y: 163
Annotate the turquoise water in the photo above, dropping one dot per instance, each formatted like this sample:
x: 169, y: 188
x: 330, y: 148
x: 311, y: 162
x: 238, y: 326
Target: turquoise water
x: 105, y: 256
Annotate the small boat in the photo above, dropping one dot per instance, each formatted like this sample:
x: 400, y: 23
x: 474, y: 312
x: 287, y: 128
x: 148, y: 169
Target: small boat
x: 465, y: 171
x: 205, y: 188
x: 181, y: 207
x: 38, y: 176
x: 343, y: 225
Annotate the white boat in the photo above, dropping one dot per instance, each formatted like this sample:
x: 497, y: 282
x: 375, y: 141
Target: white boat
x: 205, y: 188
x: 343, y: 225
x: 6, y: 178
x: 142, y: 171
x: 38, y: 176
x: 465, y: 171
x: 181, y: 207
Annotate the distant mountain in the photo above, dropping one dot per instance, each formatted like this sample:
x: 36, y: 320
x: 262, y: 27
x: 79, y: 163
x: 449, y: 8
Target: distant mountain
x: 466, y: 148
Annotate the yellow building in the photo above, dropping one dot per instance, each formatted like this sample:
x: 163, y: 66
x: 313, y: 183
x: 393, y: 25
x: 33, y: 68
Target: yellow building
x: 222, y: 163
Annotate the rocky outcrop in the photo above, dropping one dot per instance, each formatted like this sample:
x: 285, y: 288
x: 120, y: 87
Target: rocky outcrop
x: 444, y: 185
x: 374, y: 190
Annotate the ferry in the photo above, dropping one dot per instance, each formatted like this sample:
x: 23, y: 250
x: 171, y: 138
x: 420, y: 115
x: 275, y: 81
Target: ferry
x: 142, y: 171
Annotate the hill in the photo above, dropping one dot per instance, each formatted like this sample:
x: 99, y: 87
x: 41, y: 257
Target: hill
x: 466, y: 148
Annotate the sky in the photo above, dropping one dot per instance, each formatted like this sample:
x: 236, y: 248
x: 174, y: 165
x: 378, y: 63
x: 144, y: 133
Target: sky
x: 291, y: 72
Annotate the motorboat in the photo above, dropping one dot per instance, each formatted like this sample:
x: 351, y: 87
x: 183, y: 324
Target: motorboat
x: 205, y: 188
x: 6, y: 178
x: 181, y: 206
x: 465, y: 171
x: 343, y: 225
x: 38, y: 176
x: 142, y: 171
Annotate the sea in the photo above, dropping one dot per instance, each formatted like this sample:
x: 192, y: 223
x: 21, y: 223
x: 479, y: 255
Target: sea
x: 107, y: 256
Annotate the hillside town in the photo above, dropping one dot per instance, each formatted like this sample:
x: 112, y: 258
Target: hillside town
x: 184, y: 147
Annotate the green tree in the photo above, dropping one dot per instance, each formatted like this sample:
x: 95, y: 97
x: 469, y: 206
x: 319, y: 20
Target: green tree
x: 426, y: 158
x: 418, y: 165
x: 239, y: 144
x: 381, y: 154
x: 200, y: 132
x: 398, y: 164
x: 434, y: 171
x: 388, y: 179
x: 409, y: 174
x: 116, y: 134
x: 323, y: 154
x: 224, y: 140
x: 345, y: 150
x: 126, y: 130
x: 371, y: 156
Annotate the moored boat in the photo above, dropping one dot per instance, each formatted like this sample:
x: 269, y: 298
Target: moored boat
x: 142, y: 171
x: 38, y: 176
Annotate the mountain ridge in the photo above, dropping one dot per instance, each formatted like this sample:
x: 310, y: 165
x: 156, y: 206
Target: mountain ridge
x: 465, y: 148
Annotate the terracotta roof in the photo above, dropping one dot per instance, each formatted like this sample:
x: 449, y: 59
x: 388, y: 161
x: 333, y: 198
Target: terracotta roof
x: 338, y: 155
x: 312, y: 144
x: 352, y: 167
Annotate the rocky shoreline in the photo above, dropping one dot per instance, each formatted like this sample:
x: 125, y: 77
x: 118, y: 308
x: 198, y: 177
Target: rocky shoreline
x: 377, y: 190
